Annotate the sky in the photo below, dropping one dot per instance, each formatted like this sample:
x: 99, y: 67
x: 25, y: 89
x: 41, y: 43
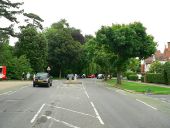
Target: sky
x: 90, y: 15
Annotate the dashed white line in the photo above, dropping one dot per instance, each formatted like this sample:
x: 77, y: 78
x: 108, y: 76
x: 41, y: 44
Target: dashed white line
x: 35, y: 116
x: 97, y: 114
x: 147, y: 104
x: 63, y: 122
x: 85, y: 91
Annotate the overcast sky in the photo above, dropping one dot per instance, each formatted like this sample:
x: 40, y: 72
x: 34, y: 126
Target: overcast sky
x: 90, y: 15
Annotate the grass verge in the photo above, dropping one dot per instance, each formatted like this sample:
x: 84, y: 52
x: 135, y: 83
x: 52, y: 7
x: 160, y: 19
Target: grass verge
x: 139, y: 87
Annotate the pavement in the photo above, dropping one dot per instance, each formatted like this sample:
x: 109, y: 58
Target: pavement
x: 88, y: 103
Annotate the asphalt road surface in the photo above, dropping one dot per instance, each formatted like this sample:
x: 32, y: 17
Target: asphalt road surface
x: 90, y: 104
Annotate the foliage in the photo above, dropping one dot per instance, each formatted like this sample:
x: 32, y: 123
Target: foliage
x: 33, y: 20
x: 133, y: 77
x: 126, y: 41
x: 17, y: 66
x: 155, y: 78
x: 34, y: 46
x: 167, y: 72
x: 6, y: 53
x: 8, y: 10
x: 134, y: 65
x: 142, y: 79
x: 64, y: 52
x: 156, y: 67
x: 128, y: 73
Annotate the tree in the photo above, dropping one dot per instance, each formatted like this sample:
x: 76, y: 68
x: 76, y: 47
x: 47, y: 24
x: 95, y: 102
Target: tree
x: 134, y: 65
x: 34, y: 46
x: 16, y: 66
x: 156, y: 67
x: 64, y: 51
x: 126, y: 41
x: 6, y: 53
x: 33, y: 20
x: 8, y: 10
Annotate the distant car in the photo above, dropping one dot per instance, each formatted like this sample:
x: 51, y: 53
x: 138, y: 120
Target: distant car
x: 83, y: 76
x: 70, y: 77
x: 91, y: 76
x: 42, y: 78
x: 100, y: 76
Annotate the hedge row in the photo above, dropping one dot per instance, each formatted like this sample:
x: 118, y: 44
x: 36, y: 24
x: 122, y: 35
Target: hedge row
x: 132, y: 77
x: 160, y: 78
x: 155, y: 78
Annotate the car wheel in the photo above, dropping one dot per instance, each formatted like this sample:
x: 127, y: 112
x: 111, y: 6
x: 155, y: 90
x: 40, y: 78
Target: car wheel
x: 48, y: 85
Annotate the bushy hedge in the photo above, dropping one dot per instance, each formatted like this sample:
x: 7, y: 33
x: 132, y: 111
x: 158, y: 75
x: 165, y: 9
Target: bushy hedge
x: 155, y: 78
x: 142, y: 79
x: 167, y: 72
x: 133, y: 77
x: 127, y: 74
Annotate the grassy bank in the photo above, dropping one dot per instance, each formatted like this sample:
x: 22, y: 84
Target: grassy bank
x: 139, y: 87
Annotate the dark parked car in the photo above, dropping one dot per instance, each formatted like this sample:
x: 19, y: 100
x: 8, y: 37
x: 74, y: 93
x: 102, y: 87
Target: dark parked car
x: 42, y: 79
x: 70, y: 77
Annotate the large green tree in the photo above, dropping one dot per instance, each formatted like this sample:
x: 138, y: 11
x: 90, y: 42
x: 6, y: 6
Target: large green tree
x: 34, y: 46
x: 8, y: 10
x: 126, y: 41
x: 64, y: 51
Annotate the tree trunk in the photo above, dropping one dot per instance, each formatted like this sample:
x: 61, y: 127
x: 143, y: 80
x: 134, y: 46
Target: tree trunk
x: 60, y: 74
x: 119, y: 78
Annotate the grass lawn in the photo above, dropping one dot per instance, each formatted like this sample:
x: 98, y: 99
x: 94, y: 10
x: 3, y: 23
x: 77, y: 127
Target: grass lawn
x: 139, y: 87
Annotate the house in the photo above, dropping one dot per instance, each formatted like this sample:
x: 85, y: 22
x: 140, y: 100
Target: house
x: 161, y: 57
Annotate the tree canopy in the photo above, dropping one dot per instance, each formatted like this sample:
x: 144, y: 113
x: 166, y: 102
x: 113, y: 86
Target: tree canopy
x: 126, y: 41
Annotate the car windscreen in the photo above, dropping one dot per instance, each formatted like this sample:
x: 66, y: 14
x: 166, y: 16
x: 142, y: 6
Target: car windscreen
x: 41, y: 75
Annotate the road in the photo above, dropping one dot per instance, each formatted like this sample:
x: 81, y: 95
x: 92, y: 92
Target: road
x: 89, y: 104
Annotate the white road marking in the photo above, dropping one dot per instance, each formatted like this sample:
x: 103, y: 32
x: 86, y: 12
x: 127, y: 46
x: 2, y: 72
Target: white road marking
x: 85, y: 91
x: 63, y: 122
x: 97, y: 114
x: 121, y: 92
x: 5, y: 93
x: 72, y: 111
x: 147, y: 104
x: 12, y: 92
x: 35, y: 116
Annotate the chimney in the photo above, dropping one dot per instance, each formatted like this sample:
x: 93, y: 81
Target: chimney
x: 168, y: 44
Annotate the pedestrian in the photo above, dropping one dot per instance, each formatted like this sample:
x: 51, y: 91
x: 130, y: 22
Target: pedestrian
x: 28, y: 76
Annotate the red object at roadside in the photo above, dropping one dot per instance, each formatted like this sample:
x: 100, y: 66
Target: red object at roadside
x: 91, y: 76
x: 3, y: 72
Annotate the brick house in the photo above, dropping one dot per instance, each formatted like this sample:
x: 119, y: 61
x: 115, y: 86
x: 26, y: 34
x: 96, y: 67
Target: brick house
x: 161, y: 57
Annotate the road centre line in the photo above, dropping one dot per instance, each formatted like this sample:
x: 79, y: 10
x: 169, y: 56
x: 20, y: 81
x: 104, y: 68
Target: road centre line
x: 63, y: 122
x: 97, y: 114
x: 36, y: 115
x: 71, y: 110
x: 146, y: 104
x: 85, y: 91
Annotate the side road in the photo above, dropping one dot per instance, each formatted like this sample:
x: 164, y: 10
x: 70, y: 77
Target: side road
x: 10, y: 85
